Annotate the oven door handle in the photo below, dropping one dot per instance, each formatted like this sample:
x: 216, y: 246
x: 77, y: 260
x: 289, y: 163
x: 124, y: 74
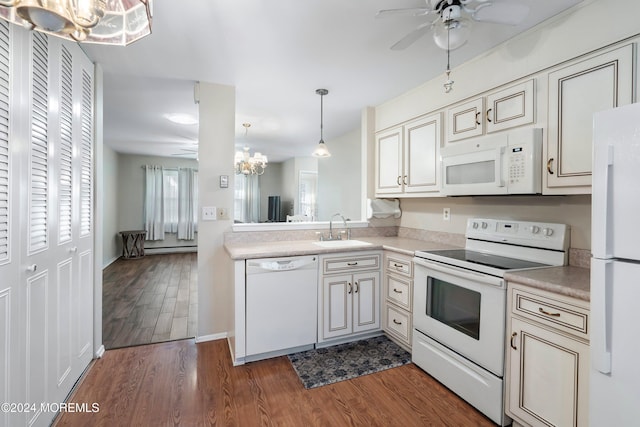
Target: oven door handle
x: 461, y: 272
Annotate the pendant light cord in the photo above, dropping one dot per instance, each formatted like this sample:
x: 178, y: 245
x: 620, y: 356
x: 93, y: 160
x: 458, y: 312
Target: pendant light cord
x: 321, y: 116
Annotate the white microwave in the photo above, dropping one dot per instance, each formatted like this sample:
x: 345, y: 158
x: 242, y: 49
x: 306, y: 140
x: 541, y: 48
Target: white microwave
x: 504, y: 163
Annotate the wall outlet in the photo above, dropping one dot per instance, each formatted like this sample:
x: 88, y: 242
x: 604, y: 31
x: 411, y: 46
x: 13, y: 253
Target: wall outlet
x: 209, y: 213
x: 446, y: 214
x: 223, y: 213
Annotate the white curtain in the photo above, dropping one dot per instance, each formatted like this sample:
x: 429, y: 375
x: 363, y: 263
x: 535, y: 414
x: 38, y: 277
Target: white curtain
x: 170, y: 190
x: 187, y: 203
x: 247, y: 198
x: 153, y: 203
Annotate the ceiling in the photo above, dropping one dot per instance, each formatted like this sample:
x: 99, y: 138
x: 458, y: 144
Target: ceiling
x: 276, y: 54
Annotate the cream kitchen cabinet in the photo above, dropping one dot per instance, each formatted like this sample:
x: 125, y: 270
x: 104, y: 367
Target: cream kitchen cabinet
x: 498, y: 110
x: 576, y: 91
x: 407, y: 158
x: 349, y: 295
x: 547, y: 363
x: 398, y: 298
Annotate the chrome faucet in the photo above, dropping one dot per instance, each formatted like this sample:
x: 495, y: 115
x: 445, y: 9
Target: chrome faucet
x: 344, y: 222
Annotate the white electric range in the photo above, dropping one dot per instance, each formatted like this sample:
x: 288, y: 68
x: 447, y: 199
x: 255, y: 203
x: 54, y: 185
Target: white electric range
x: 459, y: 310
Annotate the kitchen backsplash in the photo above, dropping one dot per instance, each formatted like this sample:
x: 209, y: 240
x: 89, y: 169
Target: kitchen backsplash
x: 577, y: 257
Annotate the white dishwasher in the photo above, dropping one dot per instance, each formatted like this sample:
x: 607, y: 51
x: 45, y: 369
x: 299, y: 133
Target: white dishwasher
x: 281, y: 304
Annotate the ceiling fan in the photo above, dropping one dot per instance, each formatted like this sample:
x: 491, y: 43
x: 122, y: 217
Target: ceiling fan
x: 451, y: 22
x: 189, y: 152
x: 455, y: 16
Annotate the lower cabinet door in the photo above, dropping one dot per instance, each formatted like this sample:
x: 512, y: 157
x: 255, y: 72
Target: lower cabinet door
x: 549, y: 376
x: 366, y: 306
x: 337, y: 292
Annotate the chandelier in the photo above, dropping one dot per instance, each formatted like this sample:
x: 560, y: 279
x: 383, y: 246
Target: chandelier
x: 246, y: 164
x: 114, y: 22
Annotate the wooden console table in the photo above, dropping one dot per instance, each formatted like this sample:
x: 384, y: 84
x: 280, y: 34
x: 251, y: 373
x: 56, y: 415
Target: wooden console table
x: 133, y: 243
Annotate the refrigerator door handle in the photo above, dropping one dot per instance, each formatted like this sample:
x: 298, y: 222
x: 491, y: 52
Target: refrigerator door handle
x: 602, y: 193
x: 601, y: 294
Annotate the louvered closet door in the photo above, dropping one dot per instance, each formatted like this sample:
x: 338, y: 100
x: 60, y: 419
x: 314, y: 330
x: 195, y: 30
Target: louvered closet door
x: 11, y: 354
x: 58, y: 257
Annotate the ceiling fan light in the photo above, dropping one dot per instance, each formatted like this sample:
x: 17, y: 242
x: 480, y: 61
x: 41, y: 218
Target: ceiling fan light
x: 52, y: 15
x: 457, y: 32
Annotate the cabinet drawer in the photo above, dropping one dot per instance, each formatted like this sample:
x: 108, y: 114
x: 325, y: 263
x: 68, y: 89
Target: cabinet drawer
x: 398, y: 323
x: 399, y: 266
x: 399, y: 291
x: 350, y: 263
x: 552, y: 311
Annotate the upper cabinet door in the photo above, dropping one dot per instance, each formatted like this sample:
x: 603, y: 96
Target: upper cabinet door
x: 510, y: 107
x: 422, y: 139
x: 389, y: 175
x: 576, y: 92
x: 465, y: 120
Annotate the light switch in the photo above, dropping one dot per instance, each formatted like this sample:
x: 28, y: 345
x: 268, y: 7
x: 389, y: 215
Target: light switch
x: 209, y: 213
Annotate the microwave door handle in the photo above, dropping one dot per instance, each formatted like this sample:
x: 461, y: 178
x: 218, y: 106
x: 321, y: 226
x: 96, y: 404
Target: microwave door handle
x: 499, y: 161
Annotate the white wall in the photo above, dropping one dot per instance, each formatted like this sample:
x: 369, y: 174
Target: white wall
x: 339, y: 178
x: 130, y: 196
x: 110, y: 241
x: 563, y: 38
x: 216, y: 152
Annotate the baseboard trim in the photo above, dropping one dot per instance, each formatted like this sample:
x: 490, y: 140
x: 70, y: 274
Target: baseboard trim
x: 171, y: 250
x: 212, y: 337
x: 111, y: 261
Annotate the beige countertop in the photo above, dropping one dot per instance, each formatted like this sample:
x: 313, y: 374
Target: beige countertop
x: 569, y: 280
x: 273, y: 249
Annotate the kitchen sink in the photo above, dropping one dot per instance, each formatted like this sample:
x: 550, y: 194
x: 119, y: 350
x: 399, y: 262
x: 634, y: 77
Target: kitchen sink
x: 341, y: 243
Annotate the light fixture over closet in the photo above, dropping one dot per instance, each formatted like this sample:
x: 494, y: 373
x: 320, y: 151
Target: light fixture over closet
x: 321, y: 150
x: 113, y: 22
x: 245, y: 163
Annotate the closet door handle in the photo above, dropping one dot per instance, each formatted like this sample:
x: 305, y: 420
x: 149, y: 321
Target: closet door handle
x: 513, y: 337
x: 73, y: 250
x: 489, y: 114
x: 32, y: 268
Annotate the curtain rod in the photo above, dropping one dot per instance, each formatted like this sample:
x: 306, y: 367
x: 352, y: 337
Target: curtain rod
x: 170, y: 168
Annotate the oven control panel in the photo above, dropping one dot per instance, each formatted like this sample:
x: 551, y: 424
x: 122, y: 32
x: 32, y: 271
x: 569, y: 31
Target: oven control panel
x: 534, y: 234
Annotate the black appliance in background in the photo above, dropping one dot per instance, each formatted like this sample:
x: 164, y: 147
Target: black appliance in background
x: 274, y: 209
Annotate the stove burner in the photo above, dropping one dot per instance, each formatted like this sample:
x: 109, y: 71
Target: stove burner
x: 494, y: 261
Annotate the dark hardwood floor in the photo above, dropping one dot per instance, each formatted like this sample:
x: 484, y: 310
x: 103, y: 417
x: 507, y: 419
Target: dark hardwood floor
x: 181, y: 383
x: 149, y: 300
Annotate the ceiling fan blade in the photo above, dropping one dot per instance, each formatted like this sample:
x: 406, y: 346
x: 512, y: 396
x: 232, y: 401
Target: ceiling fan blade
x: 416, y: 11
x: 412, y: 37
x: 501, y: 13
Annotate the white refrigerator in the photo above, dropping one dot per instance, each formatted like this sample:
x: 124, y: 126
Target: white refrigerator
x: 614, y: 381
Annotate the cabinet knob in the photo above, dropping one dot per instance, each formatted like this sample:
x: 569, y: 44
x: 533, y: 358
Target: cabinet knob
x: 549, y: 163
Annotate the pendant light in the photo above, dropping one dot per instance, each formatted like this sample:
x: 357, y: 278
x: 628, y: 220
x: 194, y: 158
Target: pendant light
x: 321, y: 150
